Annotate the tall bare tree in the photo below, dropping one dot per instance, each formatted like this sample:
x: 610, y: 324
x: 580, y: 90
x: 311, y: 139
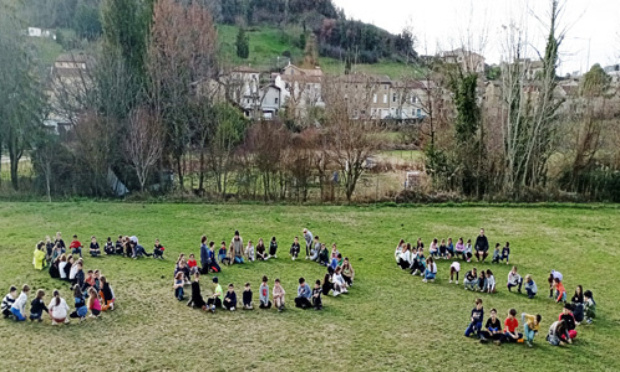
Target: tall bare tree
x: 182, y: 52
x: 353, y: 133
x: 143, y: 144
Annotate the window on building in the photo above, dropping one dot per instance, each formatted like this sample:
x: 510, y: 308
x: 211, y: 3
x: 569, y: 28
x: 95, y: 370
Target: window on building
x: 276, y: 100
x: 394, y: 97
x: 374, y: 98
x: 419, y: 112
x: 385, y: 98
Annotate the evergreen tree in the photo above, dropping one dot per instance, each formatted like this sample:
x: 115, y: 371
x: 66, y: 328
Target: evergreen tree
x: 243, y: 44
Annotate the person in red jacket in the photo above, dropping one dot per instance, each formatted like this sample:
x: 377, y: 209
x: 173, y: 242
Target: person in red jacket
x: 560, y: 292
x: 76, y: 246
x: 569, y: 320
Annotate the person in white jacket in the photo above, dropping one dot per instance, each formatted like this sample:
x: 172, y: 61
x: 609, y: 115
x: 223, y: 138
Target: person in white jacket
x: 405, y: 258
x: 58, y: 309
x: 399, y: 249
x: 490, y: 288
x: 19, y: 306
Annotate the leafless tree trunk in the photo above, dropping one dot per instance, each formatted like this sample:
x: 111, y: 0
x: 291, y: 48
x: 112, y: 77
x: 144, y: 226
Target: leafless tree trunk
x: 143, y: 144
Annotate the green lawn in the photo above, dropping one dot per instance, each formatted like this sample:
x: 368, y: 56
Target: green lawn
x: 389, y: 321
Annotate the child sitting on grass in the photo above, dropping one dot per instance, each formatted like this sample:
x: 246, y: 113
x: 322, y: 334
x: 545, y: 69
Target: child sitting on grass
x: 216, y: 298
x: 49, y: 248
x: 230, y: 301
x: 530, y: 287
x: 18, y: 309
x: 76, y: 246
x: 263, y: 294
x: 158, y: 250
x: 433, y: 250
x: 477, y: 316
x: 39, y: 256
x: 323, y: 255
x: 482, y: 281
x: 249, y: 251
x: 80, y: 304
x: 471, y: 279
x: 222, y: 254
x: 590, y: 306
x: 247, y: 297
x: 107, y: 295
x: 94, y: 305
x: 496, y: 255
x: 192, y: 264
x: 178, y: 286
x: 493, y: 329
x: 419, y: 262
x: 431, y: 270
x: 261, y: 251
x: 119, y: 245
x: 303, y: 295
x: 8, y: 301
x: 316, y: 296
x: 196, y: 301
x: 108, y: 248
x: 510, y: 328
x: 278, y: 295
x: 514, y: 279
x: 37, y: 307
x: 531, y: 325
x: 213, y: 265
x: 468, y: 253
x: 58, y: 309
x: 94, y: 247
x: 558, y: 334
x: 443, y: 249
x: 567, y: 317
x: 490, y: 286
x: 295, y: 249
x: 273, y: 247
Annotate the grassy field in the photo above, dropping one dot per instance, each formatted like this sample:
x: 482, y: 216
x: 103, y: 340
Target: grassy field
x: 389, y: 321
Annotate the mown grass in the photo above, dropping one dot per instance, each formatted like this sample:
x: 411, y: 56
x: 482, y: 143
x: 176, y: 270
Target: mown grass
x: 389, y: 321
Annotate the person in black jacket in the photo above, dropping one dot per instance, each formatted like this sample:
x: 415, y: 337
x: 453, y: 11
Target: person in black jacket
x: 230, y: 301
x: 37, y: 307
x: 493, y: 329
x: 482, y: 246
x: 196, y: 300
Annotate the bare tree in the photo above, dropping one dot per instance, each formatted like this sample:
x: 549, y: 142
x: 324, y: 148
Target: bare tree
x: 352, y: 132
x: 182, y: 52
x: 143, y: 144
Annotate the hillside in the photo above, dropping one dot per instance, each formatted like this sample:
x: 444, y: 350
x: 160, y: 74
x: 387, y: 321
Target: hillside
x: 268, y: 43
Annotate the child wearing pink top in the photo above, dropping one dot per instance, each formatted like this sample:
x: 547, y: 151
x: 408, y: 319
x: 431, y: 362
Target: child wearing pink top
x: 93, y: 303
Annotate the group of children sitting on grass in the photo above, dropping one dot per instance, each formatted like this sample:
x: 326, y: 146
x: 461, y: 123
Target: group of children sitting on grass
x: 582, y: 306
x: 339, y: 277
x: 446, y: 250
x: 47, y: 253
x: 90, y: 292
x: 561, y: 332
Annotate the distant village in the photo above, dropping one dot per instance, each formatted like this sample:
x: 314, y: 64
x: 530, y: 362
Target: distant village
x: 260, y: 94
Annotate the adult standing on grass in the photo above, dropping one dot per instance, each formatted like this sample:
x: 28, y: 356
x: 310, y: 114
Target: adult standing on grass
x: 204, y: 255
x: 308, y: 237
x: 482, y: 246
x: 237, y: 245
